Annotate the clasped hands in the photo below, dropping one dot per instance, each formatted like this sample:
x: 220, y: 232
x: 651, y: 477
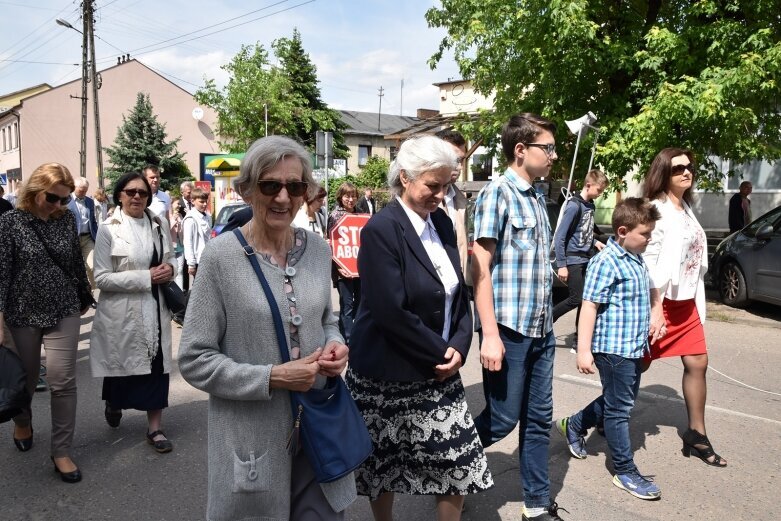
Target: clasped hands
x: 162, y: 273
x: 299, y: 375
x: 453, y: 362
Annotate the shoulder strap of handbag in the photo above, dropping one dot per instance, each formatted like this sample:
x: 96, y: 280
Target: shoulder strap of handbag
x: 272, y: 303
x: 67, y: 273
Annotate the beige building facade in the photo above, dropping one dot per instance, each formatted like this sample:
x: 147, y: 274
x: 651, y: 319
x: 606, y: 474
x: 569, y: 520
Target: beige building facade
x: 50, y: 121
x: 365, y: 136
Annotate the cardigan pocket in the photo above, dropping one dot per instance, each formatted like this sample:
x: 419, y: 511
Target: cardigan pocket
x: 251, y: 475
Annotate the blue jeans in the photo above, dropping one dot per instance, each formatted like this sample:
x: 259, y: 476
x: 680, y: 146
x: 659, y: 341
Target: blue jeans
x: 522, y: 391
x: 620, y: 382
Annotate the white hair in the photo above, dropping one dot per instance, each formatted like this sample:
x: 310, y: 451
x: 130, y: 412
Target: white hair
x: 417, y: 155
x: 81, y: 181
x: 186, y: 184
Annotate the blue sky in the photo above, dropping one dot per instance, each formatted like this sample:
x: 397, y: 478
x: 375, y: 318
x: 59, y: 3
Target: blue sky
x: 357, y: 45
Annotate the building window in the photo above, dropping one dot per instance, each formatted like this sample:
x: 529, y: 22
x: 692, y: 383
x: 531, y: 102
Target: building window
x: 364, y: 152
x: 4, y: 145
x: 394, y: 151
x: 482, y: 167
x: 15, y: 136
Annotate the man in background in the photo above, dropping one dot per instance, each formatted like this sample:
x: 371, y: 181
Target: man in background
x: 740, y: 207
x: 5, y: 205
x: 83, y: 209
x: 161, y: 201
x: 366, y: 203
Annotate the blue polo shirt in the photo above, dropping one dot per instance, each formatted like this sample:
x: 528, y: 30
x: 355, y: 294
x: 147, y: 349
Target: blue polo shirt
x: 619, y: 282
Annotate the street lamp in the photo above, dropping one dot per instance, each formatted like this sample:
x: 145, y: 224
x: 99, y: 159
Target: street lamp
x: 67, y: 24
x: 84, y: 80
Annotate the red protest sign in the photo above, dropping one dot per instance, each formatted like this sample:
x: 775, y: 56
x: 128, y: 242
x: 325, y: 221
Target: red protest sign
x: 346, y: 241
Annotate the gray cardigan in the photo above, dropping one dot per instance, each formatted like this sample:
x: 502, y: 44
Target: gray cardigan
x: 227, y: 349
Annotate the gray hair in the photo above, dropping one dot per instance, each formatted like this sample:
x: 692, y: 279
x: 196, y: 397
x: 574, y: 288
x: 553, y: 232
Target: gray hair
x: 417, y: 155
x: 186, y: 184
x: 263, y: 155
x: 81, y: 181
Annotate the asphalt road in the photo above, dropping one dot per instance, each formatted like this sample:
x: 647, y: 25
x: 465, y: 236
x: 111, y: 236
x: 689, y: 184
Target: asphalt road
x: 125, y: 479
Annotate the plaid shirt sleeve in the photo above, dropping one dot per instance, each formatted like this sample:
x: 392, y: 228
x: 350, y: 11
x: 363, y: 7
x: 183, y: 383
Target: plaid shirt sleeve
x: 599, y: 283
x: 490, y: 213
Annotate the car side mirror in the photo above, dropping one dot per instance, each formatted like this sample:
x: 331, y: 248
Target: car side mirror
x: 765, y: 232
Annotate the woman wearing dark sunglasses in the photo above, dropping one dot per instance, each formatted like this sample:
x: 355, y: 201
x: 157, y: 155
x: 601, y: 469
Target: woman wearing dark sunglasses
x: 130, y: 343
x: 230, y: 350
x: 677, y: 259
x: 43, y: 290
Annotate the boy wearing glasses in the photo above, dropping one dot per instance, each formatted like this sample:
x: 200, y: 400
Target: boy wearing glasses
x: 513, y: 284
x: 613, y: 334
x: 197, y: 229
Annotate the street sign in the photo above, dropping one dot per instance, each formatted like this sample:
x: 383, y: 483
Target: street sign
x: 346, y: 241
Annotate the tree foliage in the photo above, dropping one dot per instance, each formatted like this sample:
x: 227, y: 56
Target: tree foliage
x: 142, y: 140
x: 313, y: 114
x: 702, y: 74
x: 289, y: 91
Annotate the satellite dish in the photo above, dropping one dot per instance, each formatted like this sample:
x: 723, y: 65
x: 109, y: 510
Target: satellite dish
x: 197, y: 113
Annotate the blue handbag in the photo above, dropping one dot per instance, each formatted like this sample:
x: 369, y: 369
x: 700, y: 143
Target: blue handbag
x: 332, y: 430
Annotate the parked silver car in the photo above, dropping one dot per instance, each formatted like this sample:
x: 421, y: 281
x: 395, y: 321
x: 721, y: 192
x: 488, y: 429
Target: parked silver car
x: 746, y: 265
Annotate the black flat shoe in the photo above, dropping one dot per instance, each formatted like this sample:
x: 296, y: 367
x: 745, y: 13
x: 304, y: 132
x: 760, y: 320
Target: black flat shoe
x: 161, y: 446
x: 113, y: 416
x: 68, y: 477
x: 24, y: 444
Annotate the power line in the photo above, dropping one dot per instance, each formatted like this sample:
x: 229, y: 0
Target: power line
x: 29, y: 6
x: 136, y: 53
x: 47, y: 22
x: 39, y: 63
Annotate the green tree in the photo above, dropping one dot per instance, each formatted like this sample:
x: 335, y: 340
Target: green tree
x: 374, y: 173
x: 141, y: 140
x: 703, y: 74
x: 254, y: 85
x: 313, y: 114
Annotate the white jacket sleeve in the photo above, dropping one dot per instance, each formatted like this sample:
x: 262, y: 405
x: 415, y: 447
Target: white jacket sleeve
x: 189, y: 228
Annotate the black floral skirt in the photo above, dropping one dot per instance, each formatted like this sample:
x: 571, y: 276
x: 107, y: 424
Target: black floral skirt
x: 425, y: 442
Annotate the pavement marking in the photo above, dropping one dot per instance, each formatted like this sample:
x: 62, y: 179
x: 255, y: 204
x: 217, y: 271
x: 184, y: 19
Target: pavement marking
x: 644, y: 394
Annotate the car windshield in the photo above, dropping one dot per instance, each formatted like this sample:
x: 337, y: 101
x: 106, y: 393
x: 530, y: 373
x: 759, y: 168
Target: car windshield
x: 773, y: 217
x: 226, y: 213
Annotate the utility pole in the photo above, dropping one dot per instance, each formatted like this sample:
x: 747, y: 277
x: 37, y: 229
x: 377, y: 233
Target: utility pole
x: 90, y: 30
x: 379, y: 114
x: 84, y: 80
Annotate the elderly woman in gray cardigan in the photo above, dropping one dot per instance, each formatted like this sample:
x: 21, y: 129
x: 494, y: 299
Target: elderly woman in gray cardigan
x: 229, y: 347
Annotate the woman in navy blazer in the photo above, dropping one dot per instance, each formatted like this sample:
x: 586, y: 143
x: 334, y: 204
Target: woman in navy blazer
x: 411, y: 336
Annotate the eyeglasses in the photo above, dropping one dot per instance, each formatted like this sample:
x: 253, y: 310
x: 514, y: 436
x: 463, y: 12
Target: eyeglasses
x: 294, y: 188
x: 132, y: 192
x: 680, y: 169
x: 549, y: 148
x: 54, y: 198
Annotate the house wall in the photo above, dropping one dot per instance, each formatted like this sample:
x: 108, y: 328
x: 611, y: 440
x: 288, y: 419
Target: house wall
x: 51, y: 121
x: 455, y: 97
x: 380, y: 147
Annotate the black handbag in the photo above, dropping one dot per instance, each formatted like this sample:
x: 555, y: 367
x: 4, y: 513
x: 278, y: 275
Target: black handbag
x: 13, y: 385
x: 331, y: 427
x: 175, y: 298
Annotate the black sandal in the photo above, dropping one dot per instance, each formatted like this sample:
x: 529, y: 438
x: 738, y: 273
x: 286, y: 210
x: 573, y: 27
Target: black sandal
x: 699, y: 445
x: 161, y: 446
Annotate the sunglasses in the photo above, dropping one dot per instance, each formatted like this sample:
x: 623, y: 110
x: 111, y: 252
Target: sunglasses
x: 549, y: 148
x: 132, y: 192
x: 680, y: 169
x: 294, y: 188
x: 54, y: 198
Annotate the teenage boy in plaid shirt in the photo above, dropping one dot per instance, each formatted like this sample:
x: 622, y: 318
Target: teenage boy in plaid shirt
x: 616, y: 312
x: 513, y: 285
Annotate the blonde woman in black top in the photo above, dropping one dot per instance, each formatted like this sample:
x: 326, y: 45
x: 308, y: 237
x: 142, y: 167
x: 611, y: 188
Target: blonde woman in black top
x: 43, y: 290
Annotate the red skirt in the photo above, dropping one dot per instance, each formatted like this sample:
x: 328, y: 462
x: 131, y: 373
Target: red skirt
x: 685, y: 334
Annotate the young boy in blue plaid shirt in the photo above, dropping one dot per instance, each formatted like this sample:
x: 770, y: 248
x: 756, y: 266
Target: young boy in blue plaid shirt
x: 613, y: 334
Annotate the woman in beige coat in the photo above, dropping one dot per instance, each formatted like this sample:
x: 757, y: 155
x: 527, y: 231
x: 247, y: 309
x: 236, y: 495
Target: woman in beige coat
x: 131, y: 331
